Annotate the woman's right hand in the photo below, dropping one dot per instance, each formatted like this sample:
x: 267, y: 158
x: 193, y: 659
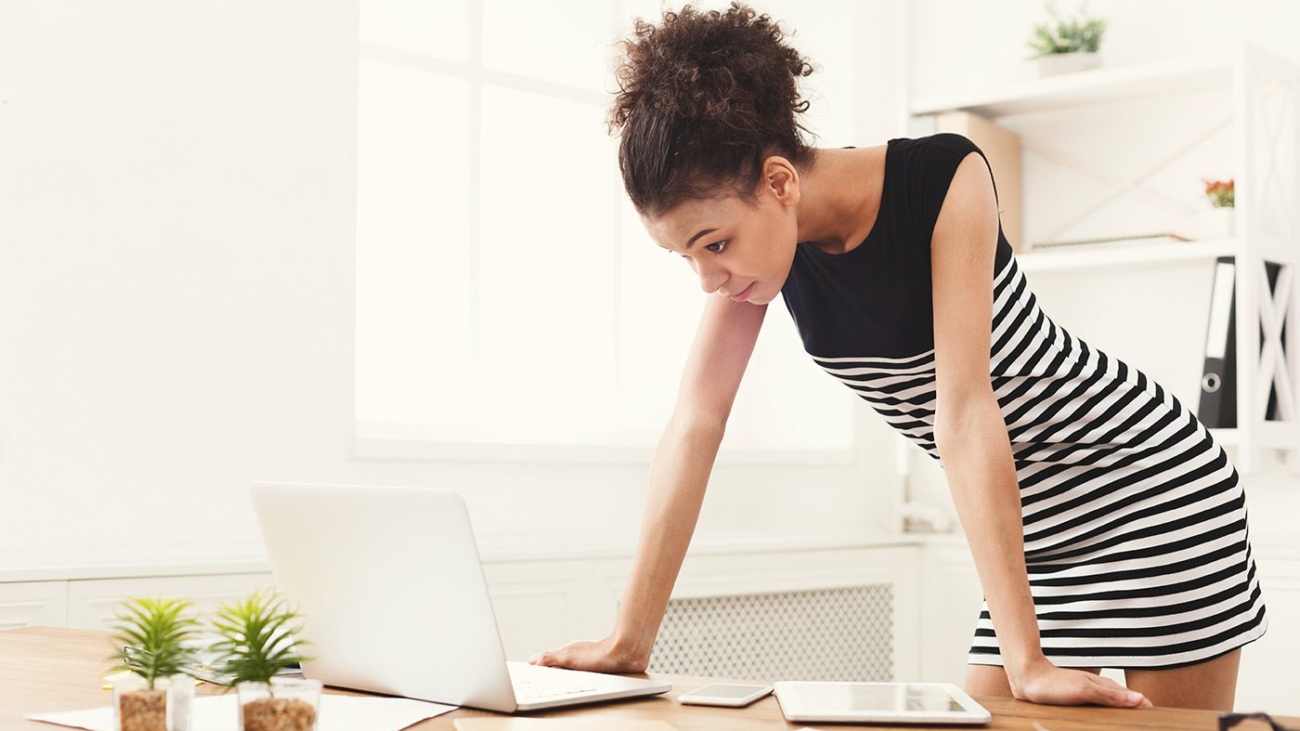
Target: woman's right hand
x: 601, y: 656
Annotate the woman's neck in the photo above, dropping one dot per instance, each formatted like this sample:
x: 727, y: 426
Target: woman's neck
x: 839, y: 197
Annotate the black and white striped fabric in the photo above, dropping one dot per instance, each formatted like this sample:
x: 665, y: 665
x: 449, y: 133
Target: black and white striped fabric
x: 1134, y: 518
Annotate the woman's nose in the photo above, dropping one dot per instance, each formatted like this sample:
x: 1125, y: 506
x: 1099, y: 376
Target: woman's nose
x: 711, y: 278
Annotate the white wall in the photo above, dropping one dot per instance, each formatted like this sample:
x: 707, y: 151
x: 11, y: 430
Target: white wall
x: 176, y: 287
x: 176, y: 297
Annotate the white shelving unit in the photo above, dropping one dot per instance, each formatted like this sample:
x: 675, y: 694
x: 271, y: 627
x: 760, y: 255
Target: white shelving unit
x: 1265, y: 93
x: 1083, y: 89
x: 1102, y: 255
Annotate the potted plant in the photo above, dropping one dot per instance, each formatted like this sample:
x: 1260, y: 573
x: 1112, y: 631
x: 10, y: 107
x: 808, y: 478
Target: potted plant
x: 1216, y: 222
x: 1067, y: 44
x: 256, y: 643
x: 153, y: 694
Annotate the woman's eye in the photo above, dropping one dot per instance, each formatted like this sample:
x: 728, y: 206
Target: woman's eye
x: 717, y: 247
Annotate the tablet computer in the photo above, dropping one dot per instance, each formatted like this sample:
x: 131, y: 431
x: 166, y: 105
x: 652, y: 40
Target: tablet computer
x: 930, y: 703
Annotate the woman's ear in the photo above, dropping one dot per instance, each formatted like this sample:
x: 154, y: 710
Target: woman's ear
x: 780, y: 180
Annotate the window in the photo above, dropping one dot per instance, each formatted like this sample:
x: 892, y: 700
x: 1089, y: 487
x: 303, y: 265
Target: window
x: 506, y: 291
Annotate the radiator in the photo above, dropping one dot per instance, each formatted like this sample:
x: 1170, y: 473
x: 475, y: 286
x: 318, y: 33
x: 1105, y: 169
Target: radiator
x: 822, y: 634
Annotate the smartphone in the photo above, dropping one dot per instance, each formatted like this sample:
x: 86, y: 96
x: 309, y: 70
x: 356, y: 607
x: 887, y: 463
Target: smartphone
x: 725, y: 694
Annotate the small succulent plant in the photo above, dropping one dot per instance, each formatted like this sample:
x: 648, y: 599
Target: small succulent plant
x: 1066, y: 35
x: 256, y: 637
x: 153, y: 634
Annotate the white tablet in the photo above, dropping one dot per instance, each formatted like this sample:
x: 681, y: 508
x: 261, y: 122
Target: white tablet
x: 878, y: 703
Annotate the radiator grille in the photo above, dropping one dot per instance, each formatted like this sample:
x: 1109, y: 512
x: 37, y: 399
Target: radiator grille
x: 824, y: 634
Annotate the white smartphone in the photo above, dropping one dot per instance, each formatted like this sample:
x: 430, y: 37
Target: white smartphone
x: 725, y: 694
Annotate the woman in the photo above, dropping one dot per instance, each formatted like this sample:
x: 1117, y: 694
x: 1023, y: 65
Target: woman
x: 1107, y: 528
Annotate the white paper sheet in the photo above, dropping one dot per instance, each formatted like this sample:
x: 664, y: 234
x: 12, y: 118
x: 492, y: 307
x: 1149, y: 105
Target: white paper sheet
x: 337, y: 713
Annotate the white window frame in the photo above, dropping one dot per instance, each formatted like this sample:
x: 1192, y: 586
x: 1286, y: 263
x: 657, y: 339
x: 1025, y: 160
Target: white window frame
x: 378, y: 442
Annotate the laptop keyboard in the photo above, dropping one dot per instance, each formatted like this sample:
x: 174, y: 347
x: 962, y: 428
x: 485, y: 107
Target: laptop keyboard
x: 537, y: 683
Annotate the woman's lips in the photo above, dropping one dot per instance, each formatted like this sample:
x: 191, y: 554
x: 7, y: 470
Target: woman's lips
x: 740, y: 297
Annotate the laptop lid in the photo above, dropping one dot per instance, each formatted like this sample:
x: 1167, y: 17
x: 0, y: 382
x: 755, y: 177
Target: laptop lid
x: 391, y: 589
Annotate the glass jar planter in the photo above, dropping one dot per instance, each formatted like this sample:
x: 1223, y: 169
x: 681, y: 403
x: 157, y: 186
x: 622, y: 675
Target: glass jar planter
x: 286, y: 704
x: 164, y: 708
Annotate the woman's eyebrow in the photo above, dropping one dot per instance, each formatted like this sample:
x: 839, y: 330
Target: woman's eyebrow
x: 696, y: 237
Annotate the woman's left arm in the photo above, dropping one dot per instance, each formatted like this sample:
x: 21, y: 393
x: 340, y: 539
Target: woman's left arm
x: 972, y: 440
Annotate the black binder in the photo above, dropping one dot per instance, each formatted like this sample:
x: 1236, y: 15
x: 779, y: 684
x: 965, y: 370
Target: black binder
x: 1218, y: 406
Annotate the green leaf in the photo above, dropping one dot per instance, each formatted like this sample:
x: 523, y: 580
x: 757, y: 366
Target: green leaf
x: 151, y: 633
x: 257, y: 637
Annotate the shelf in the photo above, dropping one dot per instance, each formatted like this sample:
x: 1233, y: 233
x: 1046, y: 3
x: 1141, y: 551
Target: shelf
x: 1253, y: 89
x: 1102, y: 85
x: 1103, y: 255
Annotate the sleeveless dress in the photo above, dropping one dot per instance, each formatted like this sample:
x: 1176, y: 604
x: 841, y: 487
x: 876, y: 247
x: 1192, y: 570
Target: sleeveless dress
x: 1134, y: 519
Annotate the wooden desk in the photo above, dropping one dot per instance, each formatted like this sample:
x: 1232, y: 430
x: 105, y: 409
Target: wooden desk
x: 45, y: 669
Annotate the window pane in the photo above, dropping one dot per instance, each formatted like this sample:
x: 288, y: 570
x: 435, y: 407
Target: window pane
x: 434, y: 27
x: 548, y: 263
x: 824, y: 32
x: 413, y: 247
x: 786, y: 401
x: 660, y: 306
x: 562, y: 41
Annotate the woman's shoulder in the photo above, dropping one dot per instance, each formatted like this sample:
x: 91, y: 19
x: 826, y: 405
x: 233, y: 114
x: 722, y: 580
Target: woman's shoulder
x: 943, y: 149
x: 931, y: 160
x: 946, y: 141
x: 925, y: 168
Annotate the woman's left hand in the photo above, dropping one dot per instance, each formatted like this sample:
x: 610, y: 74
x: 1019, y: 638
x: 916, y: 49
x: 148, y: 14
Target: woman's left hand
x: 1045, y: 683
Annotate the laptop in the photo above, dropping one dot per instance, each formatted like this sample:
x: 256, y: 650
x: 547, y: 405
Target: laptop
x: 394, y: 601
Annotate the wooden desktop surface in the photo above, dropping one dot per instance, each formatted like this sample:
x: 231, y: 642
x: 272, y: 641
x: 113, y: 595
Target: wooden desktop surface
x: 47, y: 669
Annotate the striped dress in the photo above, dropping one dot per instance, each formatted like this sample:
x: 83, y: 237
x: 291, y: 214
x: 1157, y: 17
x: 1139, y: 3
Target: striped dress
x: 1134, y: 519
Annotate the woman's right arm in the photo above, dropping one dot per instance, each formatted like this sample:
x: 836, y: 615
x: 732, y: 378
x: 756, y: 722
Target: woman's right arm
x: 679, y: 473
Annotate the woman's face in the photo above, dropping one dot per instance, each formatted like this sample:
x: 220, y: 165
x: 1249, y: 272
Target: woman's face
x: 739, y: 248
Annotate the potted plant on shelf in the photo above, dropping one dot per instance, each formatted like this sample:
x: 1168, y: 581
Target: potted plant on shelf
x: 1216, y: 222
x: 153, y: 694
x: 256, y: 643
x: 1064, y: 44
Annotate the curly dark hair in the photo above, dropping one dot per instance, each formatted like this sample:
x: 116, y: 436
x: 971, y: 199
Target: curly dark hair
x: 704, y: 98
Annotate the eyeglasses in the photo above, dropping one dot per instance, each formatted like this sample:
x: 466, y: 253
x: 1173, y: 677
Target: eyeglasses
x: 1228, y: 720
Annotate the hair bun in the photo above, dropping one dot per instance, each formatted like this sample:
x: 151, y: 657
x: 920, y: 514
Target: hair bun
x: 720, y: 79
x: 723, y: 67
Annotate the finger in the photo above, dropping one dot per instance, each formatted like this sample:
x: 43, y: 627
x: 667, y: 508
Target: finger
x: 550, y: 658
x: 1134, y: 698
x: 1108, y: 692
